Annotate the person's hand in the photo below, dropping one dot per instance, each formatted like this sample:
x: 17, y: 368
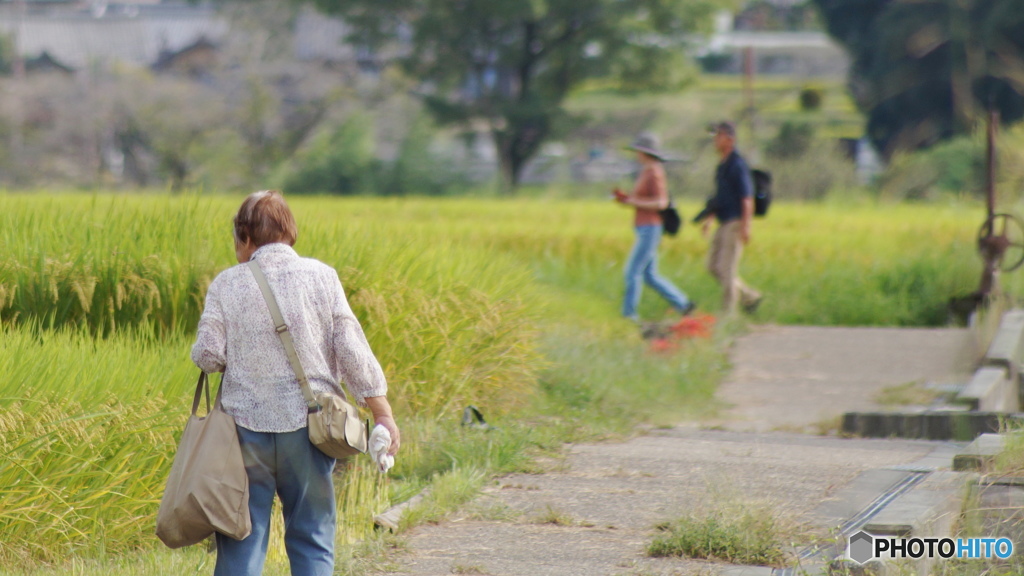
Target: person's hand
x: 392, y: 427
x: 745, y: 233
x: 382, y: 415
x: 705, y: 227
x: 620, y: 196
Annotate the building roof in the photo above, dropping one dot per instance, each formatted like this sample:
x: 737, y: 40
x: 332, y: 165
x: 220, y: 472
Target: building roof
x: 130, y: 33
x: 771, y: 40
x: 45, y: 62
x: 167, y: 58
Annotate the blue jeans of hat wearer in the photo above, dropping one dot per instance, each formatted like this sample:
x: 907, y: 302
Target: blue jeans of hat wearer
x: 288, y: 465
x: 642, y: 266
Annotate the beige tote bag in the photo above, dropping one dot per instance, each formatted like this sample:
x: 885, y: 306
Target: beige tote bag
x: 208, y: 489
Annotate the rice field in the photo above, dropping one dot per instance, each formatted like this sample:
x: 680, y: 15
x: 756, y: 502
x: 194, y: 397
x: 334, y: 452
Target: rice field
x: 510, y: 305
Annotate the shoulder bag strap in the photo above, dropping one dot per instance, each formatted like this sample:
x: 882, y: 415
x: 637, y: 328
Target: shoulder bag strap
x: 202, y: 385
x: 286, y: 338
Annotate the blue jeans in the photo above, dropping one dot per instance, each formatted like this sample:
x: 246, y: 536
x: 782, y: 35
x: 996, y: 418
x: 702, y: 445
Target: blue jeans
x: 643, y: 265
x: 288, y: 465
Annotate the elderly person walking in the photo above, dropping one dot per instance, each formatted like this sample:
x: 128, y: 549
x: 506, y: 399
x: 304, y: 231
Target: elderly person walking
x: 261, y: 391
x: 733, y: 207
x: 649, y: 197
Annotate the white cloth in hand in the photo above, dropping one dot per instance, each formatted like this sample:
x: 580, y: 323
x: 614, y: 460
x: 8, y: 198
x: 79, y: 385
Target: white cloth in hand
x: 380, y: 442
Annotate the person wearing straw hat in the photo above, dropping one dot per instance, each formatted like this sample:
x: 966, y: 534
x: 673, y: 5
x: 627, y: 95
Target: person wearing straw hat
x: 649, y: 197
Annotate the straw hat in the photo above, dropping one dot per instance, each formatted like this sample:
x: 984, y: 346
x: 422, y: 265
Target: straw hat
x: 648, y: 143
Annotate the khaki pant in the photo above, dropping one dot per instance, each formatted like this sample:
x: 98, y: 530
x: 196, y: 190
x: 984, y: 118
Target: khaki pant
x: 724, y: 265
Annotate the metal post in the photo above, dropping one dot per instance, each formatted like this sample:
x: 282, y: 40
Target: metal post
x: 990, y: 253
x: 748, y: 87
x: 990, y: 162
x: 18, y: 86
x: 18, y: 65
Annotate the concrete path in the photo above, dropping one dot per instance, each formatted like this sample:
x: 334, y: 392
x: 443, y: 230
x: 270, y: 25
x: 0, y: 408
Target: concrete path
x: 797, y: 377
x: 596, y: 513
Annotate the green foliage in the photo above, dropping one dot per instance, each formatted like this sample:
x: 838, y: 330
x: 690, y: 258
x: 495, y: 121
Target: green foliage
x: 338, y: 161
x: 7, y: 54
x: 819, y: 171
x: 715, y: 62
x: 792, y: 141
x: 513, y: 63
x: 811, y: 98
x: 419, y: 169
x: 956, y: 166
x: 764, y: 15
x: 925, y: 71
x: 343, y: 161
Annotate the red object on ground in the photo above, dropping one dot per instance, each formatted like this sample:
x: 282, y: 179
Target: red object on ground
x: 695, y: 326
x: 664, y: 345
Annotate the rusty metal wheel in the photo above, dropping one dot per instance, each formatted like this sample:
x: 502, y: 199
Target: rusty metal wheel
x: 1001, y: 238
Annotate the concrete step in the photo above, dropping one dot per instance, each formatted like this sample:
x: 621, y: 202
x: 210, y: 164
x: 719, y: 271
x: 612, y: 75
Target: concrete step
x: 392, y: 517
x: 1007, y: 348
x: 980, y: 455
x: 746, y: 571
x: 990, y: 390
x: 949, y: 423
x: 928, y: 509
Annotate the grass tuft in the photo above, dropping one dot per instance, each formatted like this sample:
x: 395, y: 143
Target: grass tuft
x: 753, y: 534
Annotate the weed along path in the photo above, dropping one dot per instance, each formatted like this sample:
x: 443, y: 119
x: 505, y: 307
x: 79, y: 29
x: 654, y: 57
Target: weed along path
x: 597, y: 511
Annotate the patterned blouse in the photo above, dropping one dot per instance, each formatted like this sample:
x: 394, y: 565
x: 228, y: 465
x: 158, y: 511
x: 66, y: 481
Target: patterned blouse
x: 236, y: 335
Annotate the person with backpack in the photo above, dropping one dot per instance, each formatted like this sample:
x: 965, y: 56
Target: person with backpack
x: 650, y: 198
x: 733, y: 207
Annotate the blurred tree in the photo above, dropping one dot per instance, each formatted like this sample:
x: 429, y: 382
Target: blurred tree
x: 793, y: 140
x: 511, y: 63
x: 811, y: 98
x: 926, y: 70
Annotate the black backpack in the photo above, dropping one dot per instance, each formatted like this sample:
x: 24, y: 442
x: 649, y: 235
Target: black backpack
x: 762, y: 191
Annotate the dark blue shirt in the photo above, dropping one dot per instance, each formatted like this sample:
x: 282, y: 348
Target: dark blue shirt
x: 732, y: 185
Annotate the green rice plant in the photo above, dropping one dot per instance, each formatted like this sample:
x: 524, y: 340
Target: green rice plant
x: 105, y: 263
x: 76, y: 481
x: 39, y: 365
x: 149, y: 259
x: 451, y: 324
x: 366, y: 557
x: 86, y: 484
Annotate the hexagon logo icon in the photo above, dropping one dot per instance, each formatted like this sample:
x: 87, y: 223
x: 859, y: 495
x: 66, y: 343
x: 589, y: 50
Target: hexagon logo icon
x: 861, y: 547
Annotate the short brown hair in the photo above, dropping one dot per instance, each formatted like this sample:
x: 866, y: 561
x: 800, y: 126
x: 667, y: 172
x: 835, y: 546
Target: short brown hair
x: 264, y: 218
x: 724, y: 127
